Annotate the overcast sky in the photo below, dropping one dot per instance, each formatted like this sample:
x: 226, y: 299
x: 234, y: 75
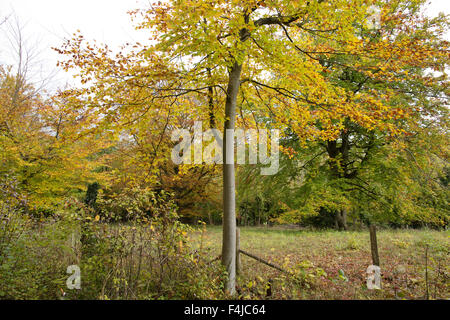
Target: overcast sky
x: 47, y: 22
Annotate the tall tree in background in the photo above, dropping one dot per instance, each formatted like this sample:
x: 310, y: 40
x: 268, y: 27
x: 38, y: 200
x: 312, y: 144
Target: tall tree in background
x: 396, y: 96
x: 39, y: 137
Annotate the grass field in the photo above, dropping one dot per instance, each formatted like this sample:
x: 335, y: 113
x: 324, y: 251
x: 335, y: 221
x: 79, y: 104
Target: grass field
x: 332, y: 265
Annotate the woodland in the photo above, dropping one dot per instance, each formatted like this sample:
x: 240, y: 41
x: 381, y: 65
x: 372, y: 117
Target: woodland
x: 358, y: 91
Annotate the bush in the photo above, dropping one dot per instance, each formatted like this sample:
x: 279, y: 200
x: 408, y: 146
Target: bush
x: 33, y: 262
x: 146, y: 259
x: 324, y: 219
x: 149, y: 257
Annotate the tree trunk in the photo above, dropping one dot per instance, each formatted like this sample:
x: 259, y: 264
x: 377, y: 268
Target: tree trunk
x: 238, y: 248
x: 337, y: 219
x: 259, y: 215
x: 344, y: 218
x: 374, y: 245
x: 212, y: 117
x: 229, y: 202
x: 210, y: 219
x: 341, y: 219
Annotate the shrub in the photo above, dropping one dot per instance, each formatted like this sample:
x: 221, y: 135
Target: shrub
x: 148, y: 257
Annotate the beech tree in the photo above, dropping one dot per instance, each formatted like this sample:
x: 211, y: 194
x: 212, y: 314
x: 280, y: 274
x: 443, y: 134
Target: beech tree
x: 233, y: 60
x: 250, y: 38
x: 414, y: 87
x: 40, y: 142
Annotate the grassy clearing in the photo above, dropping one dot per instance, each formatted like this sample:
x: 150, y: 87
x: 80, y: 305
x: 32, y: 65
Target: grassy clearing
x: 332, y: 265
x: 135, y: 261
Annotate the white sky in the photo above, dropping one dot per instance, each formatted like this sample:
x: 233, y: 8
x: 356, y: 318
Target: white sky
x: 47, y: 22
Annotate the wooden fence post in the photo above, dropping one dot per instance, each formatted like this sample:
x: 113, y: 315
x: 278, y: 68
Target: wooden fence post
x: 427, y: 295
x: 374, y: 245
x: 238, y: 251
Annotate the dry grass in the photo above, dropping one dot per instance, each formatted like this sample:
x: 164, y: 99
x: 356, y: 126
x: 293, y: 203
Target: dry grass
x: 332, y: 265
